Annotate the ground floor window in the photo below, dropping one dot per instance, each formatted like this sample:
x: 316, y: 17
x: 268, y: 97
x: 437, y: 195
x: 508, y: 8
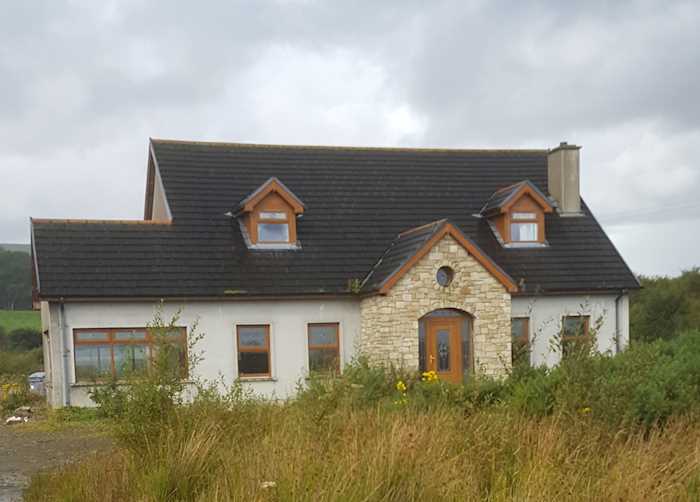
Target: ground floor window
x: 575, y: 334
x: 520, y: 344
x: 103, y: 353
x: 324, y: 347
x: 253, y: 343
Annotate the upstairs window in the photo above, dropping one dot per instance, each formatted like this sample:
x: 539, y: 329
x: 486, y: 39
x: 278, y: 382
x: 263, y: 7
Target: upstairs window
x: 273, y: 226
x: 268, y: 216
x: 516, y: 214
x: 524, y: 227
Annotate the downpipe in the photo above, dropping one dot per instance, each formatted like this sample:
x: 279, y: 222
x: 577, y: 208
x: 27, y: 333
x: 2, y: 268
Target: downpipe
x: 65, y: 352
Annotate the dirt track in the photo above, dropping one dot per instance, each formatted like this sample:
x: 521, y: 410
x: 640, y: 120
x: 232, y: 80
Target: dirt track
x: 25, y: 451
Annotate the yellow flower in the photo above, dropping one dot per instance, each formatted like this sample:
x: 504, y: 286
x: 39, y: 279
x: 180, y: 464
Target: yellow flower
x: 430, y: 376
x: 400, y: 386
x: 585, y: 411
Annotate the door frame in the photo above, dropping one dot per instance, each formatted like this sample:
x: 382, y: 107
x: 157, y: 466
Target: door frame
x: 456, y: 319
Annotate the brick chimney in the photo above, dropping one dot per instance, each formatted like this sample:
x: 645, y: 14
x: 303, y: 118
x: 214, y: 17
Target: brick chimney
x: 563, y: 178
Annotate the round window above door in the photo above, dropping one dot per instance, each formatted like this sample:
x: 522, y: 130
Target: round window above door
x: 444, y: 276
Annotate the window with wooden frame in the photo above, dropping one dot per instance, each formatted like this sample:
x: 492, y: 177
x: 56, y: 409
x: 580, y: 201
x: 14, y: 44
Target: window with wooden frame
x: 324, y: 347
x: 516, y: 214
x: 524, y: 226
x: 105, y: 353
x: 253, y: 347
x: 520, y: 340
x: 273, y: 227
x: 575, y: 334
x: 269, y: 215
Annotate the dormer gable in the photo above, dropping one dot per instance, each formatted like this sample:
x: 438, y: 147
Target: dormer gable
x: 516, y: 214
x: 268, y: 216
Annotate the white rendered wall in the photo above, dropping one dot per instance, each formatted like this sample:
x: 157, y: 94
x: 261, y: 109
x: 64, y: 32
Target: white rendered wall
x: 217, y: 321
x: 546, y: 312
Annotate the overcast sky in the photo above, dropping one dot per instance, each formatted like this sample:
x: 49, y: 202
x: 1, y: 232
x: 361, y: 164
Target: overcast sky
x: 84, y: 84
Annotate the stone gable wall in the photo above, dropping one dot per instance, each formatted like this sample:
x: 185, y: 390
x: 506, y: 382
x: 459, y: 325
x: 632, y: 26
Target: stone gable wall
x: 389, y: 324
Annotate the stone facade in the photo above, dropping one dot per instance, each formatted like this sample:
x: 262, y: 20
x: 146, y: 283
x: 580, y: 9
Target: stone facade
x: 389, y: 323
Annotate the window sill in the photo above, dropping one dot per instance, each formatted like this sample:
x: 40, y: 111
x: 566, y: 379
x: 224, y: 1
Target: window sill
x: 256, y: 379
x: 78, y: 385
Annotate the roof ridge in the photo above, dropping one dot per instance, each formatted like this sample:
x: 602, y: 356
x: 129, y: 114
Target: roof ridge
x: 347, y: 147
x: 43, y: 221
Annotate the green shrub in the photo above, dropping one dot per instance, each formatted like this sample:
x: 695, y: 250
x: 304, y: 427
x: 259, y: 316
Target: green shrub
x: 143, y: 402
x: 21, y: 363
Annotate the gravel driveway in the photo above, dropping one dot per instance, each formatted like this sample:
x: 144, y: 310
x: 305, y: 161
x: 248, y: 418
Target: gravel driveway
x: 25, y: 451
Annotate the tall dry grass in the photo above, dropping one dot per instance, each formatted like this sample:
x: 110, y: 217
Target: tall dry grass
x: 269, y: 452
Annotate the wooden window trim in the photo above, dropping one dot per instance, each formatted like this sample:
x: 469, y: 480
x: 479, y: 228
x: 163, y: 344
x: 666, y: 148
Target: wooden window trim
x: 526, y: 337
x: 335, y: 346
x: 264, y: 206
x: 586, y: 327
x: 523, y: 338
x: 111, y: 342
x: 254, y: 350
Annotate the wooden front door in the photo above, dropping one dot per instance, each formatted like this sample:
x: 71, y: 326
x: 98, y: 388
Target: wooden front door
x: 443, y: 348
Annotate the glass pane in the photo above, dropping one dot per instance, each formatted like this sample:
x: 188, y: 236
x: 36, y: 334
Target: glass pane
x: 523, y: 232
x: 444, y: 276
x: 518, y: 328
x: 130, y: 358
x: 253, y: 363
x: 574, y: 326
x: 443, y: 350
x: 252, y: 336
x: 323, y: 360
x: 171, y: 356
x: 130, y: 335
x: 524, y: 216
x: 520, y: 352
x: 323, y: 335
x: 421, y: 346
x: 273, y: 232
x: 92, y: 362
x: 91, y: 336
x: 268, y: 215
x: 465, y: 347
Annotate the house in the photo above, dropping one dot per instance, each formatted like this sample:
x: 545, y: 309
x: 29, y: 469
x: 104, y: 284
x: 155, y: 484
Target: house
x: 297, y: 258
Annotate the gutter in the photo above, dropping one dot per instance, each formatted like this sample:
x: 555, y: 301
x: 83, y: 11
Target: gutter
x: 65, y: 352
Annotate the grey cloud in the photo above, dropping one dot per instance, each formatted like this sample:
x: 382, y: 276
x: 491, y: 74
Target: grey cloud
x: 83, y: 84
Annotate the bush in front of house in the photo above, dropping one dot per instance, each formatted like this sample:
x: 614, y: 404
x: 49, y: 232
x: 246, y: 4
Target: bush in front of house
x: 595, y: 428
x: 645, y: 385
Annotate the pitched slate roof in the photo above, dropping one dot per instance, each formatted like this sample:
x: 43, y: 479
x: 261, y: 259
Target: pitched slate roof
x: 504, y: 195
x: 402, y: 248
x: 357, y: 201
x: 413, y: 243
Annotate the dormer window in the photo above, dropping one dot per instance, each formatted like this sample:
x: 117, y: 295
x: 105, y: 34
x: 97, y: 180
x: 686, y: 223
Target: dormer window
x: 524, y: 227
x: 516, y: 215
x: 273, y: 226
x: 268, y: 217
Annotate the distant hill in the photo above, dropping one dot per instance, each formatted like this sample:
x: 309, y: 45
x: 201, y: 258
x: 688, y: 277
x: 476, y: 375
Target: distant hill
x: 22, y: 248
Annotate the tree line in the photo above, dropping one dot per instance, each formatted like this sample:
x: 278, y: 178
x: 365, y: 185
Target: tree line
x: 15, y: 280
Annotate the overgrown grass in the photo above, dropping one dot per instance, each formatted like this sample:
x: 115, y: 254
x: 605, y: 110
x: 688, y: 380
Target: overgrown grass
x: 595, y: 428
x: 11, y: 320
x: 269, y: 452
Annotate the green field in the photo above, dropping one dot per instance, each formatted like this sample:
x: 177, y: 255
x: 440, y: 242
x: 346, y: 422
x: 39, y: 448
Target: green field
x: 11, y: 320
